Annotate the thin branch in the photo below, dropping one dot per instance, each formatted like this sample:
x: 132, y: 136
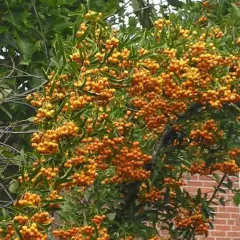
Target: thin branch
x: 25, y: 93
x: 41, y: 29
x: 169, y: 130
x: 161, y: 142
x: 122, y: 7
x: 133, y: 12
x: 5, y: 129
x: 13, y: 69
x: 18, y: 76
x: 27, y: 132
x: 23, y: 103
x: 16, y: 69
x: 217, y: 188
x: 6, y: 139
x: 3, y: 200
x: 19, y: 125
x: 10, y: 147
x: 6, y: 191
x: 16, y: 126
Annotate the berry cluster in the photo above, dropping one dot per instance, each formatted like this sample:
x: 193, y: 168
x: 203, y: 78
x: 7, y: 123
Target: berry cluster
x: 42, y: 218
x: 152, y: 195
x: 20, y: 219
x: 129, y: 164
x: 32, y: 232
x: 48, y: 142
x: 229, y: 167
x: 192, y: 219
x: 28, y: 200
x: 206, y: 136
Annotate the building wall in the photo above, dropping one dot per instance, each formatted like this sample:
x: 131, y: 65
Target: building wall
x: 227, y: 220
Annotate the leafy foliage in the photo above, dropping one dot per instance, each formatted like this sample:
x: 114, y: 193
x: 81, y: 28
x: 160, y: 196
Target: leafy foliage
x: 121, y: 119
x: 28, y: 30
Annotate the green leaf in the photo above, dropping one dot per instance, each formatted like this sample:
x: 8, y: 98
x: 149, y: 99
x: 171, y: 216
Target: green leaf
x: 4, y: 92
x: 16, y: 228
x: 132, y: 21
x: 16, y: 16
x: 61, y: 106
x: 14, y: 185
x: 175, y: 3
x: 216, y: 177
x: 6, y: 112
x: 229, y: 183
x: 4, y: 213
x: 222, y: 201
x: 221, y: 190
x: 60, y: 25
x: 211, y: 225
x: 154, y: 175
x: 236, y: 10
x: 236, y: 199
x: 65, y: 176
x: 87, y: 31
x: 109, y: 13
x: 3, y: 29
x: 27, y: 48
x: 111, y: 216
x: 60, y: 47
x: 35, y: 172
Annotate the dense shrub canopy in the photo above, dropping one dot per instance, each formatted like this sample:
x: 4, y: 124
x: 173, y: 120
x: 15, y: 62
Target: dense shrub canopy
x: 121, y: 120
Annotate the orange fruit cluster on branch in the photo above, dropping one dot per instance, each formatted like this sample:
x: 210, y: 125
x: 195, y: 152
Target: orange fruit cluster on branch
x: 193, y: 220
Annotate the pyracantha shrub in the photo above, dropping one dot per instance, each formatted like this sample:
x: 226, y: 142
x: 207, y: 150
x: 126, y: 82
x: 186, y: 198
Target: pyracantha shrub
x: 121, y: 120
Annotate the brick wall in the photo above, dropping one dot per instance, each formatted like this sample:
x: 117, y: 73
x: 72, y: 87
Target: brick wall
x: 227, y: 219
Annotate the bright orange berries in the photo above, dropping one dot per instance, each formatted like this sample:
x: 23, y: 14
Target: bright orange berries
x: 32, y: 232
x: 192, y: 218
x: 29, y: 199
x: 153, y: 195
x: 205, y: 135
x: 47, y: 142
x: 21, y: 219
x: 42, y: 217
x: 238, y: 41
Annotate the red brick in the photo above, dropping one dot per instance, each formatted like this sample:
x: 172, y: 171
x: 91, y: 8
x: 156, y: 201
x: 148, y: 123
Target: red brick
x: 195, y: 184
x: 234, y: 234
x: 224, y: 215
x: 224, y: 238
x: 229, y: 209
x: 231, y: 222
x: 206, y: 179
x: 235, y: 228
x: 221, y: 222
x: 222, y: 227
x: 218, y: 233
x: 209, y: 184
x: 235, y: 215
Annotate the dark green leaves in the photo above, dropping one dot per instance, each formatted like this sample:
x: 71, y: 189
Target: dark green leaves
x: 16, y: 16
x: 236, y: 199
x: 26, y: 48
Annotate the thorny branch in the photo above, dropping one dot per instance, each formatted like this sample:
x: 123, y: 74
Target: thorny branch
x: 169, y: 131
x: 217, y: 188
x: 130, y: 191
